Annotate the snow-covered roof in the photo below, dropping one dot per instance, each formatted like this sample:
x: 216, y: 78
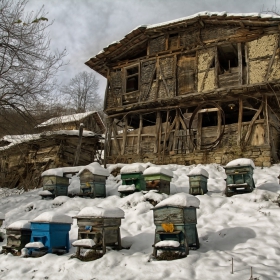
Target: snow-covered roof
x: 35, y: 245
x: 66, y: 119
x: 158, y: 170
x: 132, y: 168
x: 84, y: 242
x: 181, y: 200
x: 52, y: 217
x: 241, y: 162
x: 96, y: 169
x: 199, y: 171
x: 21, y: 224
x: 101, y: 212
x: 61, y: 170
x: 13, y: 140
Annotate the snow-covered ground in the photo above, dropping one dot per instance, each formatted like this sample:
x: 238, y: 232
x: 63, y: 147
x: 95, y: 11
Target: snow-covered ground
x: 244, y: 228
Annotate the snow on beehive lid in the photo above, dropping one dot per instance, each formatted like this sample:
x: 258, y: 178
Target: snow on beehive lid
x: 96, y: 169
x: 35, y: 245
x: 84, y: 242
x: 158, y: 170
x: 241, y: 162
x: 132, y: 168
x: 52, y: 217
x: 123, y: 188
x: 167, y: 243
x: 181, y: 200
x: 21, y: 224
x: 2, y: 216
x: 199, y: 171
x: 100, y: 212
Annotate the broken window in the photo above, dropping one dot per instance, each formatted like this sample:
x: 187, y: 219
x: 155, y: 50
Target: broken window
x: 132, y: 78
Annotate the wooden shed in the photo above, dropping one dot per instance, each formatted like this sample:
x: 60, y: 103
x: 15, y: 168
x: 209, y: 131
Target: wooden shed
x: 102, y: 225
x: 200, y: 89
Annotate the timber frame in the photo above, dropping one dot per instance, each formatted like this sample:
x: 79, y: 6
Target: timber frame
x: 203, y: 89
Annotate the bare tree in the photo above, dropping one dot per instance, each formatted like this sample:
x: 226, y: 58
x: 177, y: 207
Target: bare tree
x: 27, y: 66
x: 82, y: 93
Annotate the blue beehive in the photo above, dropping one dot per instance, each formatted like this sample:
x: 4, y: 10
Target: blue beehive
x: 52, y: 230
x: 198, y: 181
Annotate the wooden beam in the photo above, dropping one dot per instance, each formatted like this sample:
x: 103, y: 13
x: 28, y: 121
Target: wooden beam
x: 272, y: 60
x: 78, y: 151
x: 124, y: 135
x: 240, y: 66
x: 266, y: 115
x: 176, y: 133
x: 115, y: 134
x: 199, y: 131
x: 239, y: 125
x: 207, y: 110
x: 139, y: 135
x: 158, y: 124
x: 165, y: 133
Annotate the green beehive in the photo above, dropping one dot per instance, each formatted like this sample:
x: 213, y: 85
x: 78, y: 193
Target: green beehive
x: 132, y: 179
x: 56, y: 185
x: 198, y: 181
x: 93, y: 180
x: 175, y: 220
x: 158, y: 178
x: 239, y: 176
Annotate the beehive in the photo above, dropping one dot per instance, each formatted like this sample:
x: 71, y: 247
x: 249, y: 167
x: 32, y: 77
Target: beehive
x: 158, y: 178
x: 132, y: 175
x: 55, y: 184
x: 239, y: 176
x: 101, y: 225
x: 93, y: 180
x: 18, y: 235
x: 52, y: 230
x: 175, y: 220
x: 198, y: 181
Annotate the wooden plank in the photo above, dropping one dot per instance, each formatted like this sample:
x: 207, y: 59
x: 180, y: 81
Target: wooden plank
x: 216, y: 70
x: 124, y: 135
x: 199, y: 130
x: 219, y: 124
x: 248, y: 134
x: 78, y: 151
x: 207, y: 110
x: 266, y: 115
x: 166, y: 129
x: 176, y: 134
x: 240, y: 66
x: 158, y: 124
x: 272, y: 59
x: 139, y: 134
x: 115, y: 134
x: 247, y: 63
x: 239, y: 126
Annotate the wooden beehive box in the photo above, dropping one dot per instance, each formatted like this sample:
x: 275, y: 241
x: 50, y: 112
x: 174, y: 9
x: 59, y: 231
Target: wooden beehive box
x: 132, y: 175
x: 158, y: 178
x: 239, y: 176
x: 52, y: 230
x: 18, y: 235
x: 176, y: 223
x: 93, y: 180
x: 198, y: 181
x: 101, y: 225
x: 57, y: 185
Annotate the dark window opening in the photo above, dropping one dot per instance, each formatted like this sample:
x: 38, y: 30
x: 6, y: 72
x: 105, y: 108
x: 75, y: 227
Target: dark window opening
x: 132, y: 79
x: 250, y: 107
x: 228, y: 57
x: 209, y: 119
x: 231, y: 110
x: 173, y: 41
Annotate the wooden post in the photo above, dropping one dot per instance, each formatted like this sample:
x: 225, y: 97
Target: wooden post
x: 78, y: 151
x: 239, y: 126
x: 124, y: 135
x: 115, y: 133
x: 266, y: 115
x: 165, y: 133
x: 176, y: 133
x: 240, y: 66
x: 199, y: 131
x: 139, y: 135
x: 219, y: 124
x: 158, y: 124
x: 231, y: 265
x: 216, y: 69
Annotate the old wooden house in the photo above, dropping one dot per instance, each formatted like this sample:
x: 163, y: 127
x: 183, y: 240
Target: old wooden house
x: 199, y: 89
x: 24, y: 157
x: 91, y: 121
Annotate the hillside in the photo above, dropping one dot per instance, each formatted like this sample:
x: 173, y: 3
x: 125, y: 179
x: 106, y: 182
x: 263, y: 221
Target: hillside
x: 243, y: 227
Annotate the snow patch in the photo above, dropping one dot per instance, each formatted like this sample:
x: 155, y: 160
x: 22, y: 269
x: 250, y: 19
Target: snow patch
x: 181, y: 200
x: 158, y: 170
x: 21, y: 224
x: 84, y: 242
x: 96, y: 169
x: 94, y: 211
x: 241, y: 162
x: 199, y: 171
x: 52, y: 217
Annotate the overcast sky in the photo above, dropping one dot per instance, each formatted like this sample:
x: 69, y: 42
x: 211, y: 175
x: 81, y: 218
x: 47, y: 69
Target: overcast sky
x: 84, y: 27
